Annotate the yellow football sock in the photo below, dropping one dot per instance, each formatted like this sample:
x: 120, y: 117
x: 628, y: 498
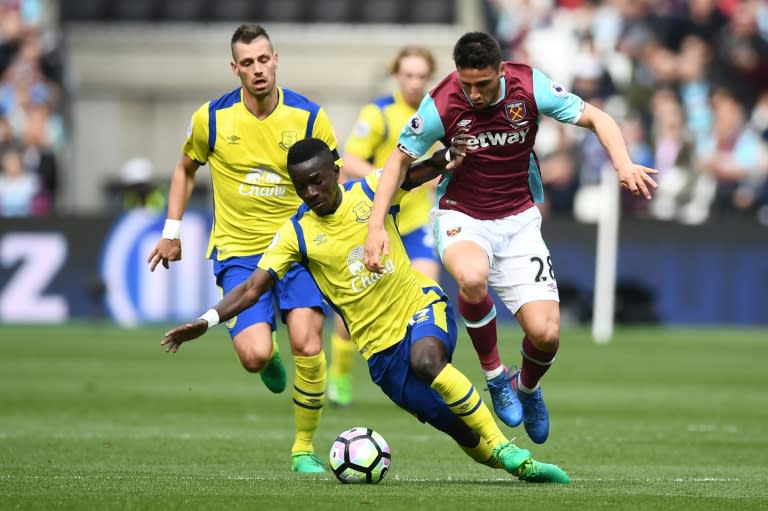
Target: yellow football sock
x: 343, y: 354
x: 308, y: 398
x: 482, y: 453
x: 464, y: 401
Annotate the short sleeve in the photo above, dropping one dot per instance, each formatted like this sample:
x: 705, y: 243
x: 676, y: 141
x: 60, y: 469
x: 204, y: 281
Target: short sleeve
x: 324, y: 131
x: 282, y: 252
x: 554, y: 101
x: 367, y: 133
x: 422, y: 130
x: 196, y: 144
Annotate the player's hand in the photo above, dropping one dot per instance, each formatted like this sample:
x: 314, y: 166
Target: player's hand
x: 637, y: 179
x: 183, y: 333
x: 458, y: 149
x: 376, y: 249
x: 166, y: 250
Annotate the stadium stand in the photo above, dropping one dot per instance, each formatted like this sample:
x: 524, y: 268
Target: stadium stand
x: 266, y: 11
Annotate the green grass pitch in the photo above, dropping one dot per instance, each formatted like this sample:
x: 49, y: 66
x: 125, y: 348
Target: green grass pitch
x: 97, y: 417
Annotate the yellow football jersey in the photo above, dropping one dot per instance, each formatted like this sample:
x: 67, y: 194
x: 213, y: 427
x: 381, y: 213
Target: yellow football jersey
x: 376, y: 307
x: 374, y: 137
x: 247, y: 156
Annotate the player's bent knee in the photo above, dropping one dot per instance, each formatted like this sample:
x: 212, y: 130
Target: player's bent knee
x: 546, y: 338
x: 253, y: 364
x: 473, y: 284
x: 427, y: 366
x: 307, y: 347
x: 463, y: 434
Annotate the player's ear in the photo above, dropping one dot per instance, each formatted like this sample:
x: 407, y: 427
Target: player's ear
x: 276, y: 56
x: 233, y: 65
x: 501, y: 68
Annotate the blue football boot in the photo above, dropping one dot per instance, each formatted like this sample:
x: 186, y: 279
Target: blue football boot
x: 535, y: 414
x: 504, y: 399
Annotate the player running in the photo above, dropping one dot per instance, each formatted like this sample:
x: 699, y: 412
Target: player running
x: 244, y: 136
x: 487, y: 228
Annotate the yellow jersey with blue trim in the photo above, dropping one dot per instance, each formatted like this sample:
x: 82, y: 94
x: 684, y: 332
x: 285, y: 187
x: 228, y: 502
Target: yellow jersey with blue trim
x: 376, y: 307
x: 373, y: 138
x: 247, y: 156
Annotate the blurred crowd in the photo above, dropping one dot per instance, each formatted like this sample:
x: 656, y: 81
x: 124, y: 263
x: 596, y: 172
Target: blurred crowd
x: 31, y: 122
x: 688, y: 82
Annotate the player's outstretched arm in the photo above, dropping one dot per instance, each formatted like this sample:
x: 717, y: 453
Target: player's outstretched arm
x: 233, y: 303
x: 377, y: 242
x: 438, y: 164
x: 635, y: 178
x: 168, y: 248
x: 354, y: 167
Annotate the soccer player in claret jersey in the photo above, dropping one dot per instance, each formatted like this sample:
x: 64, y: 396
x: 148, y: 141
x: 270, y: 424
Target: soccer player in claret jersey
x: 400, y: 321
x: 487, y: 228
x: 244, y: 136
x: 373, y: 137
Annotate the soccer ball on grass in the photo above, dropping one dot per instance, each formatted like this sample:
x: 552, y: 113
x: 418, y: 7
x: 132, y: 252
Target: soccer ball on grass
x: 360, y: 455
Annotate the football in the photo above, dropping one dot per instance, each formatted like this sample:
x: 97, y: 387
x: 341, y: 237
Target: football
x: 360, y: 455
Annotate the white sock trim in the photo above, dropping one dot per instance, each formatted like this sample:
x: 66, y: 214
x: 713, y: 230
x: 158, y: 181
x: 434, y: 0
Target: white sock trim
x: 523, y: 388
x: 493, y: 373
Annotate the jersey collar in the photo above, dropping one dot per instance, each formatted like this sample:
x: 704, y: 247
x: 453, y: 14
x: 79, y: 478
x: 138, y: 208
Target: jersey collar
x: 502, y: 91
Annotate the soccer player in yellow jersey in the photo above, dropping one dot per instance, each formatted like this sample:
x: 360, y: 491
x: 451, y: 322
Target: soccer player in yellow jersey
x: 244, y: 136
x: 373, y: 137
x: 401, y: 321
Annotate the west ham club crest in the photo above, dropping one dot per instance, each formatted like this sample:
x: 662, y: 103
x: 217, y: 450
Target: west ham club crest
x: 515, y: 112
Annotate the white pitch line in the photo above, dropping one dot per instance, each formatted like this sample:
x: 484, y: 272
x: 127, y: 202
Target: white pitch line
x: 395, y: 477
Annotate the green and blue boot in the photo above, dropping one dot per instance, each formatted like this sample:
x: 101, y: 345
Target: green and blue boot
x: 273, y: 374
x: 518, y: 462
x: 306, y: 463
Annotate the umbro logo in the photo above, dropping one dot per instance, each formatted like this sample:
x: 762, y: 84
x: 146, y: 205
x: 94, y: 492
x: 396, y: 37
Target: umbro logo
x: 320, y: 239
x: 233, y: 139
x: 464, y: 123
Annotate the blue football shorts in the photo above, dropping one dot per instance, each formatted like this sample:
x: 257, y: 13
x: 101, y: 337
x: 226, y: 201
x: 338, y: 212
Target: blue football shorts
x: 295, y: 290
x: 420, y: 244
x: 391, y: 369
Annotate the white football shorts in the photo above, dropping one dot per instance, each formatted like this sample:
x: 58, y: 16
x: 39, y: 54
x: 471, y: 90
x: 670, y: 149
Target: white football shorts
x: 520, y: 265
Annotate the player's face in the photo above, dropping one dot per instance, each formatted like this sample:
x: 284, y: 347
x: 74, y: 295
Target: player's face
x: 316, y: 183
x: 255, y: 64
x: 482, y: 86
x: 412, y: 77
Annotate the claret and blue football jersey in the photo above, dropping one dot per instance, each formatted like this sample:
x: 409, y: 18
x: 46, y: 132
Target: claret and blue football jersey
x: 500, y: 175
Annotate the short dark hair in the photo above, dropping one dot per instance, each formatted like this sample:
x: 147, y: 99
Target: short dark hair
x: 308, y: 148
x: 246, y: 34
x: 477, y: 50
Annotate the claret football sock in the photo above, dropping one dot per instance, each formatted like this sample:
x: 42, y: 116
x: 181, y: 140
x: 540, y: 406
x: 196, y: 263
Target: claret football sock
x: 480, y: 321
